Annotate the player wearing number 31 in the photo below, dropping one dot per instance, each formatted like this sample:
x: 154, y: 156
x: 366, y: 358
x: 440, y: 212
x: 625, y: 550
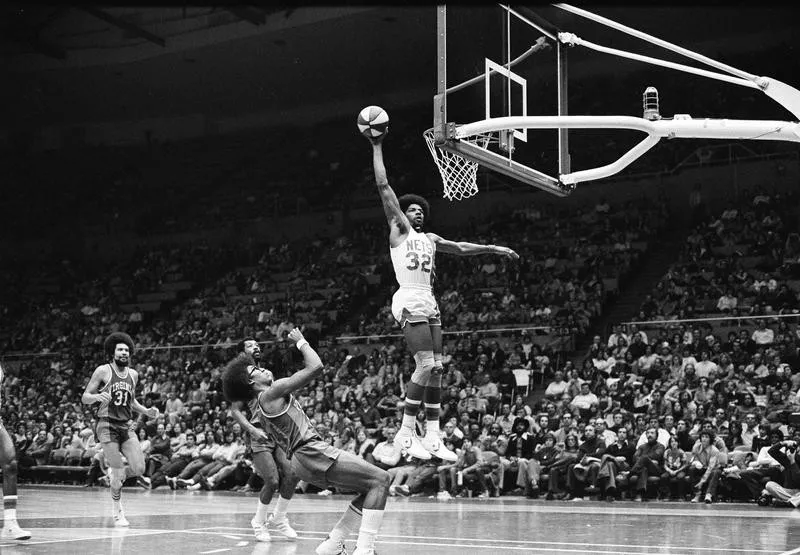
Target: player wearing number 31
x: 112, y: 391
x: 414, y: 306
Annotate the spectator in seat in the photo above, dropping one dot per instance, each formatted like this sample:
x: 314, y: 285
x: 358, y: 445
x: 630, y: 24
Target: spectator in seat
x: 648, y: 461
x: 540, y: 463
x: 180, y: 459
x: 160, y: 450
x: 556, y: 389
x: 586, y: 468
x: 763, y: 335
x: 662, y: 435
x: 205, y: 457
x: 789, y: 491
x: 728, y: 302
x: 40, y: 449
x: 764, y: 467
x: 705, y: 467
x: 468, y: 456
x: 561, y: 466
x: 585, y: 402
x: 617, y: 458
x: 387, y: 453
x: 520, y: 449
x: 676, y: 464
x: 173, y: 408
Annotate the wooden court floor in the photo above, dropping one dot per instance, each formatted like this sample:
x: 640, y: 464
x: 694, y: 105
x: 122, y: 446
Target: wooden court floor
x: 67, y: 520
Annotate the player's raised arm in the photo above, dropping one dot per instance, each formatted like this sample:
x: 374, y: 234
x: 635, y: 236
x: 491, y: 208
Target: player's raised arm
x: 462, y: 248
x: 301, y: 378
x: 90, y: 394
x: 391, y: 206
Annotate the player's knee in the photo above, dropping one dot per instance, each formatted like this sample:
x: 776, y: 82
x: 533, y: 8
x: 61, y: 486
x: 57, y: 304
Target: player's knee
x: 424, y: 359
x: 137, y: 468
x: 382, y: 480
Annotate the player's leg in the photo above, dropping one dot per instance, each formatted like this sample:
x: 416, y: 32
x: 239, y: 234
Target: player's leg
x: 8, y: 461
x: 117, y: 476
x: 278, y: 519
x: 267, y: 469
x: 132, y: 450
x: 420, y: 342
x: 352, y: 473
x: 432, y: 397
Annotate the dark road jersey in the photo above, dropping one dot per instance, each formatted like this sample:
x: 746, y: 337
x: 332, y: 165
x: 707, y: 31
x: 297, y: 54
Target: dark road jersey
x: 121, y: 389
x: 290, y: 427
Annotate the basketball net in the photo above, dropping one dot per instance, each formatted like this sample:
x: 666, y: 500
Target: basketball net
x: 459, y: 175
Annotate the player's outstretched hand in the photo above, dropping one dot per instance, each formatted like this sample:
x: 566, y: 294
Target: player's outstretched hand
x: 505, y: 251
x: 153, y: 413
x: 296, y: 335
x: 104, y: 397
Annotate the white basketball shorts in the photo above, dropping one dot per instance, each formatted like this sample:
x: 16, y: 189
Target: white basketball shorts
x: 415, y: 305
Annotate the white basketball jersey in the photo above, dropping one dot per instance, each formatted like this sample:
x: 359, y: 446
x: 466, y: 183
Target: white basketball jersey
x: 413, y: 260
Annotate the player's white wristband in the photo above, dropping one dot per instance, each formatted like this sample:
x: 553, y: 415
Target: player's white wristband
x: 300, y: 344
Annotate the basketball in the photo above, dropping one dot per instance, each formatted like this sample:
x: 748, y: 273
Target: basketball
x: 373, y: 122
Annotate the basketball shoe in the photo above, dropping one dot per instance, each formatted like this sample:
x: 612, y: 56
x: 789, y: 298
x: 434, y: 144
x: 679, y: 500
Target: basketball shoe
x: 410, y: 443
x: 435, y: 447
x: 119, y: 518
x: 12, y: 531
x: 282, y: 527
x: 260, y: 530
x: 331, y: 547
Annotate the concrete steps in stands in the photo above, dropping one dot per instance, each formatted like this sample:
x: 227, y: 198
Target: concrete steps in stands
x: 626, y: 305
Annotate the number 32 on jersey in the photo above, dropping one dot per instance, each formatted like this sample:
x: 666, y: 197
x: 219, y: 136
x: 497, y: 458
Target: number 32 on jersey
x: 423, y: 262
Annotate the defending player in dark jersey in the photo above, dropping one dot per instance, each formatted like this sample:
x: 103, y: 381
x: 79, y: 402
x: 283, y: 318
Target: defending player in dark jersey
x: 8, y: 460
x: 268, y: 456
x: 112, y: 390
x: 313, y: 459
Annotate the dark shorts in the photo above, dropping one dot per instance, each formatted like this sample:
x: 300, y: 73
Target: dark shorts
x: 310, y: 462
x: 258, y: 445
x: 114, y: 432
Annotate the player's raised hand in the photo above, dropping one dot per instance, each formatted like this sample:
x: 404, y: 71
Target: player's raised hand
x: 153, y: 413
x: 296, y: 335
x: 104, y: 397
x: 509, y: 253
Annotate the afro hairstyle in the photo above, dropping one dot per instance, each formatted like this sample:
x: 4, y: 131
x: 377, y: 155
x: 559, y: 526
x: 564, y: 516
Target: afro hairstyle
x: 409, y: 199
x: 236, y: 379
x: 114, y: 339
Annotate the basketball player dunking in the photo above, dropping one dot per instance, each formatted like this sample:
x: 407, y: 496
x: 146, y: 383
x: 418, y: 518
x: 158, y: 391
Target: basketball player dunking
x: 112, y: 389
x: 414, y: 306
x: 312, y: 458
x: 267, y: 457
x: 8, y: 460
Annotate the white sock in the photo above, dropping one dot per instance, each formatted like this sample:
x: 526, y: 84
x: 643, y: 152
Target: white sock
x: 280, y: 508
x: 370, y: 524
x: 9, y: 516
x: 432, y: 427
x: 261, y: 512
x: 350, y: 519
x: 408, y: 423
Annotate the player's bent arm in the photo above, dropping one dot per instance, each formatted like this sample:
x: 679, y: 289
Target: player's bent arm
x: 90, y: 395
x: 240, y: 417
x: 391, y: 206
x: 298, y: 380
x: 462, y: 248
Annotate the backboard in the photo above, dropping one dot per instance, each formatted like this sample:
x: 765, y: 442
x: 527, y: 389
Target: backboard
x: 495, y: 61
